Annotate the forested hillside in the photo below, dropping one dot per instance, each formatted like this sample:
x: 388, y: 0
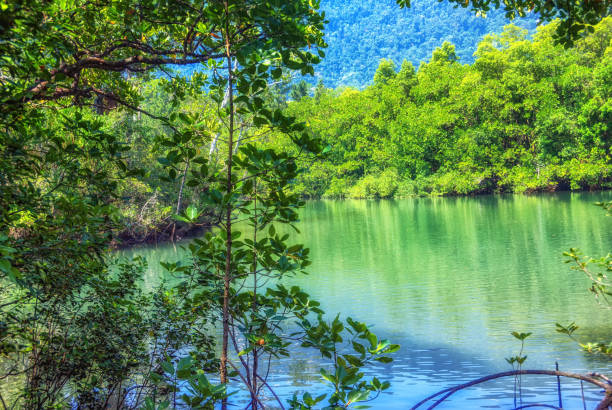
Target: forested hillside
x: 361, y: 32
x: 526, y: 116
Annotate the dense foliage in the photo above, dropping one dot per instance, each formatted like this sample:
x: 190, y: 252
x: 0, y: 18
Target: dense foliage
x: 526, y: 116
x: 85, y: 83
x: 597, y: 270
x: 75, y: 328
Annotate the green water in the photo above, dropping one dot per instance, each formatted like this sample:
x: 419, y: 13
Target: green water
x: 449, y: 279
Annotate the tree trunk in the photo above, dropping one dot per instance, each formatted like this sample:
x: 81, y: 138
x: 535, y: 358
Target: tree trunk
x: 228, y: 214
x: 239, y: 139
x: 254, y: 309
x: 226, y: 97
x: 180, y: 197
x: 606, y: 403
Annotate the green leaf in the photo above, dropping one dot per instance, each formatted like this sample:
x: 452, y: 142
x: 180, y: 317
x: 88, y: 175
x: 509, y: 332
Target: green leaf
x: 277, y: 73
x: 571, y: 328
x: 521, y: 336
x: 382, y: 344
x: 359, y: 348
x: 392, y: 349
x: 372, y: 339
x: 192, y: 212
x: 260, y: 121
x: 358, y: 395
x: 376, y: 383
x: 168, y: 367
x: 8, y: 269
x: 354, y: 361
x: 330, y: 378
x: 181, y: 218
x: 184, y: 363
x: 183, y: 117
x: 247, y: 350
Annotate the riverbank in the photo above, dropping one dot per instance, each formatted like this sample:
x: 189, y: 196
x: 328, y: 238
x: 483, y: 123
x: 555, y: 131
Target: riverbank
x: 389, y: 187
x: 170, y: 231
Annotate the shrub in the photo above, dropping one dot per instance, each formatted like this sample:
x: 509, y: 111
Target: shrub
x: 383, y: 185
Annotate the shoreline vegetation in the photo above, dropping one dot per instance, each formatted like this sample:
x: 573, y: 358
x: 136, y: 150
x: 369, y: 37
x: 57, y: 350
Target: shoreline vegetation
x: 162, y: 233
x: 527, y: 116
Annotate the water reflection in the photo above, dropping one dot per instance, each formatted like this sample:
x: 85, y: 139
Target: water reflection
x: 449, y: 278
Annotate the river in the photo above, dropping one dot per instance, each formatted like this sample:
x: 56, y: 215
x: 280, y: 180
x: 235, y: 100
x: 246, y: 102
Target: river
x: 449, y: 279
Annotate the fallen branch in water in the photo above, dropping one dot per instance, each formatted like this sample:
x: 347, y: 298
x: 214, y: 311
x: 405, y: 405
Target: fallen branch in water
x: 593, y: 378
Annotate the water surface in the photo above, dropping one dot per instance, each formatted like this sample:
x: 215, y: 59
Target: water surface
x: 449, y: 279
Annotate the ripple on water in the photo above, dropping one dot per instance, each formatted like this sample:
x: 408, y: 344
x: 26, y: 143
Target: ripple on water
x: 449, y: 279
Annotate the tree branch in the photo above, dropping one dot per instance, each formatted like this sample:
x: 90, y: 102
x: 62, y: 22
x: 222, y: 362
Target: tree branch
x: 592, y: 378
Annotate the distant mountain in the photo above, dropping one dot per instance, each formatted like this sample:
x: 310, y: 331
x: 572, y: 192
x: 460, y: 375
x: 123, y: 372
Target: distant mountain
x: 361, y: 32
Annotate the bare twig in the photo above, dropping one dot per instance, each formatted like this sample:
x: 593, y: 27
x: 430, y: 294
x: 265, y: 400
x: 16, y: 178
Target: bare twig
x: 280, y: 403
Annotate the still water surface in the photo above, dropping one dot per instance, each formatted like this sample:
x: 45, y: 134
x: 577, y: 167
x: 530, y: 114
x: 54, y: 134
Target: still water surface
x: 449, y: 279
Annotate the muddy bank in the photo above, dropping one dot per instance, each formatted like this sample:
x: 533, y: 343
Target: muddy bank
x: 166, y: 232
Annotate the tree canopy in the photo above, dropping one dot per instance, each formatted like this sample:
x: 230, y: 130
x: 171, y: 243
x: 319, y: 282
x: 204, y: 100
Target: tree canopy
x: 526, y: 116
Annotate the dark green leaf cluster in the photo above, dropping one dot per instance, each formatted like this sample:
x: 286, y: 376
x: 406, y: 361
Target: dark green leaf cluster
x: 347, y: 377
